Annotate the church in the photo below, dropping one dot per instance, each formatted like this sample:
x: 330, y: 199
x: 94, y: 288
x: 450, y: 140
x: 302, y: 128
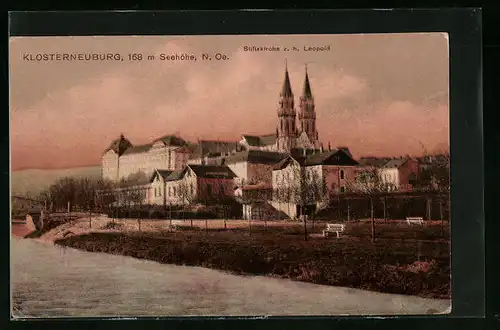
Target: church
x: 177, y: 171
x: 296, y: 131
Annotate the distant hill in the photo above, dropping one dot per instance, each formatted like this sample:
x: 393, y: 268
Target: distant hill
x: 33, y: 181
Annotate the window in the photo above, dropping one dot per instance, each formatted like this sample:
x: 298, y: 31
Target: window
x: 175, y: 191
x: 342, y: 174
x: 342, y: 189
x: 192, y: 189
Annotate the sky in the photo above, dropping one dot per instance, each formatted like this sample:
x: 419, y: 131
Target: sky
x: 379, y: 95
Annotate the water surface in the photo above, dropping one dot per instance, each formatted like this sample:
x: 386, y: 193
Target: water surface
x: 52, y: 281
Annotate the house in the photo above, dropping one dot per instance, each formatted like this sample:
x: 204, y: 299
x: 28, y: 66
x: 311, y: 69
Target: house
x: 253, y: 166
x: 199, y: 183
x: 302, y: 183
x: 367, y: 173
x: 401, y: 173
x: 156, y: 194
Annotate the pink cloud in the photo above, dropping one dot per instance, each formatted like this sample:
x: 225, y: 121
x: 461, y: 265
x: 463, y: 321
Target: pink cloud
x: 73, y: 123
x: 385, y: 128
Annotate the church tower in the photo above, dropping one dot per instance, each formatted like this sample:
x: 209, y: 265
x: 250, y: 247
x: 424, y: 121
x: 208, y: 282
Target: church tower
x: 307, y: 113
x: 286, y: 130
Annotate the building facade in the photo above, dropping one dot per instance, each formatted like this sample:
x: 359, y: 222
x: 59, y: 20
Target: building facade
x: 309, y: 181
x: 400, y: 174
x: 122, y: 159
x: 193, y: 184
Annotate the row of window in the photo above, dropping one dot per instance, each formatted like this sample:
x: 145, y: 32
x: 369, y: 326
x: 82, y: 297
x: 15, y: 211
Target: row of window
x: 174, y: 191
x: 180, y: 191
x: 309, y: 176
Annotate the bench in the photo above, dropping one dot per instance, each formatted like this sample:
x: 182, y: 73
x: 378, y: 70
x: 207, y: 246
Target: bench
x: 416, y: 220
x: 333, y: 228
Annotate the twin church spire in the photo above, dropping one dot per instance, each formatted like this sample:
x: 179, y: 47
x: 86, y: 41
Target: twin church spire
x: 291, y: 125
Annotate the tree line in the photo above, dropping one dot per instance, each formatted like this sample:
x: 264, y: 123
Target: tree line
x: 83, y: 194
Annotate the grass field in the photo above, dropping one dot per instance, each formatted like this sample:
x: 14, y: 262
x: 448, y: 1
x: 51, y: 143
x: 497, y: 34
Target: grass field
x: 407, y: 260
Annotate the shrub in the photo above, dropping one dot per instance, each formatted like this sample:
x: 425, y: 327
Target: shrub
x: 112, y: 225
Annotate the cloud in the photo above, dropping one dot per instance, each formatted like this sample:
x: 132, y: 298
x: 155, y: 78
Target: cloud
x: 73, y: 121
x: 384, y: 128
x: 337, y: 85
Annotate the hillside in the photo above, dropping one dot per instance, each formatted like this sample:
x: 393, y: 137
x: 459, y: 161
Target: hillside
x: 32, y: 181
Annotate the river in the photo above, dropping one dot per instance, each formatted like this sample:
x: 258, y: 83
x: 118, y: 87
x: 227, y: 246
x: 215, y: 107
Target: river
x: 52, y: 281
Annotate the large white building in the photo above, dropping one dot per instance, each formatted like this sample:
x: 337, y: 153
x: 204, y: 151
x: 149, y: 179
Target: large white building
x: 122, y: 159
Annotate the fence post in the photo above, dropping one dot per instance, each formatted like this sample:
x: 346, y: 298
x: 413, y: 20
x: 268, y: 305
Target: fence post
x: 348, y: 211
x: 428, y: 204
x: 373, y: 219
x: 305, y: 224
x: 441, y: 216
x: 385, y: 210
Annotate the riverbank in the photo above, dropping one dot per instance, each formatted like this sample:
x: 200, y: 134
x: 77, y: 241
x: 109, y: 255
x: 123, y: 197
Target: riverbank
x: 409, y: 267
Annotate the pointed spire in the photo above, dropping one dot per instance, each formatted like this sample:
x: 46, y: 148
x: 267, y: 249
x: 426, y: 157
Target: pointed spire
x: 287, y: 87
x: 306, y: 92
x: 122, y: 137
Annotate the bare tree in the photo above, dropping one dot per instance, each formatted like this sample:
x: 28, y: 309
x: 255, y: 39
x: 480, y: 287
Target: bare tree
x: 435, y: 173
x: 369, y: 184
x: 137, y: 196
x: 185, y: 192
x: 48, y: 199
x: 309, y: 191
x: 86, y: 195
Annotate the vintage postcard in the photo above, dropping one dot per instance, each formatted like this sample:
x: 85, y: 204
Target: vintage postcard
x: 230, y: 175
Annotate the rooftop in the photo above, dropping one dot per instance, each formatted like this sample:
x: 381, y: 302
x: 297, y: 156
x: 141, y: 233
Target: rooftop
x: 255, y: 156
x: 260, y: 140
